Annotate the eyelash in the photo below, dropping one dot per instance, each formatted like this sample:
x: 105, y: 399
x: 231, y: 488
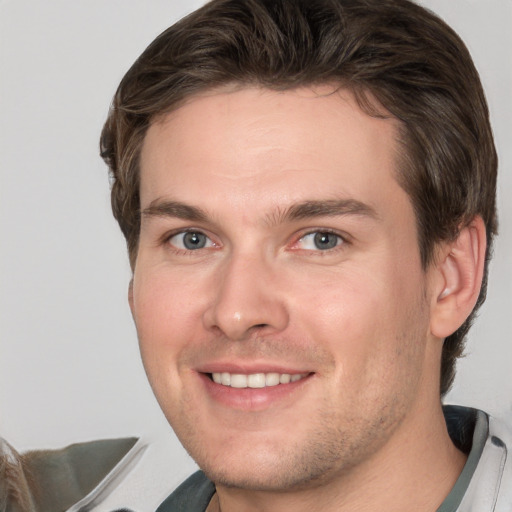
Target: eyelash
x: 342, y: 240
x: 168, y: 237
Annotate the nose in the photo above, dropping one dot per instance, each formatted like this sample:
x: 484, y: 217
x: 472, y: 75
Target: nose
x: 247, y: 300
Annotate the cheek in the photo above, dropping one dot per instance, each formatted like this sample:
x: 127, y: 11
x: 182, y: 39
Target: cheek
x: 166, y: 316
x: 369, y: 324
x: 167, y: 322
x: 342, y: 307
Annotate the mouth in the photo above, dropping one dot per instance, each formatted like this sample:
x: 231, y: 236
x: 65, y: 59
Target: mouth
x: 255, y: 380
x: 253, y: 391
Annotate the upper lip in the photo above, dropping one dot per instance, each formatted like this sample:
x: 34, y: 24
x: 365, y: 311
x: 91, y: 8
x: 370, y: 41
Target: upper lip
x: 249, y: 368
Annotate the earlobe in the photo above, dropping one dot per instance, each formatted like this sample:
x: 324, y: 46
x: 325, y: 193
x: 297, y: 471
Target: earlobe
x: 459, y: 272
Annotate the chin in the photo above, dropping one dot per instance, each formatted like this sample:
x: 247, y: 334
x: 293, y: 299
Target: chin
x: 266, y: 477
x: 269, y: 466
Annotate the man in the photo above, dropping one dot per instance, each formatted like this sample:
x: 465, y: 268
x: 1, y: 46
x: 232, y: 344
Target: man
x: 307, y: 191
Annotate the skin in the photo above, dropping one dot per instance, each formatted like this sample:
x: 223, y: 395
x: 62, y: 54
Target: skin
x: 362, y: 320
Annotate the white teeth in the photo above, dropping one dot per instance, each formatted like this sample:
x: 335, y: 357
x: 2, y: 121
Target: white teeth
x: 255, y: 380
x: 238, y: 381
x: 284, y: 378
x: 271, y: 379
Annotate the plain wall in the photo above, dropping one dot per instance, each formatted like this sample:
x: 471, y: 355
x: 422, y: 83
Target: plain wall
x: 69, y: 363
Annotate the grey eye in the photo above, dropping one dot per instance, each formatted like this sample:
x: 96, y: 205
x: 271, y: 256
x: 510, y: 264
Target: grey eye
x: 193, y: 240
x: 190, y: 240
x: 325, y: 240
x: 320, y: 241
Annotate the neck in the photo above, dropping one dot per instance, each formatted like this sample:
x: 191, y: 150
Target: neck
x: 414, y: 470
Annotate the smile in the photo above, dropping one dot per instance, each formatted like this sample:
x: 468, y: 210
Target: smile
x: 255, y: 380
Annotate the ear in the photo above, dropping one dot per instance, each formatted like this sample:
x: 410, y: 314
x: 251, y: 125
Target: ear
x: 458, y: 278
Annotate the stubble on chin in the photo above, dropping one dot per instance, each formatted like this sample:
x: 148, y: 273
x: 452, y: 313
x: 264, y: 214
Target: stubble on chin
x: 323, y: 454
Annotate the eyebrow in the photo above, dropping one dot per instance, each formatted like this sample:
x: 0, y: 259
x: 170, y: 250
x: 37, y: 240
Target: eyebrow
x: 325, y: 208
x: 298, y: 211
x: 160, y: 208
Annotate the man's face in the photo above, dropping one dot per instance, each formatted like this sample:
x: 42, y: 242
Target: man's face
x: 278, y: 293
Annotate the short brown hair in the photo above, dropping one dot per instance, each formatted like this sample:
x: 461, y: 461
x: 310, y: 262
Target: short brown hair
x: 392, y: 51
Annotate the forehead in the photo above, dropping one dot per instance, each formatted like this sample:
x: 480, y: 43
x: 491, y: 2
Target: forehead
x: 269, y: 145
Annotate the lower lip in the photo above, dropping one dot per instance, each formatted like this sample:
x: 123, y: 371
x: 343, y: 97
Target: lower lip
x: 251, y: 399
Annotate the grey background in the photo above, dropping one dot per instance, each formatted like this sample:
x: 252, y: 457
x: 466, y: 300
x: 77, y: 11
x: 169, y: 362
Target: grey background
x: 69, y: 363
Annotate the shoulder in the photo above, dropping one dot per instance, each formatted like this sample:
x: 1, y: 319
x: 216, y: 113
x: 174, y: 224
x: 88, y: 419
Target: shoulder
x: 193, y: 495
x: 497, y: 459
x: 490, y: 488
